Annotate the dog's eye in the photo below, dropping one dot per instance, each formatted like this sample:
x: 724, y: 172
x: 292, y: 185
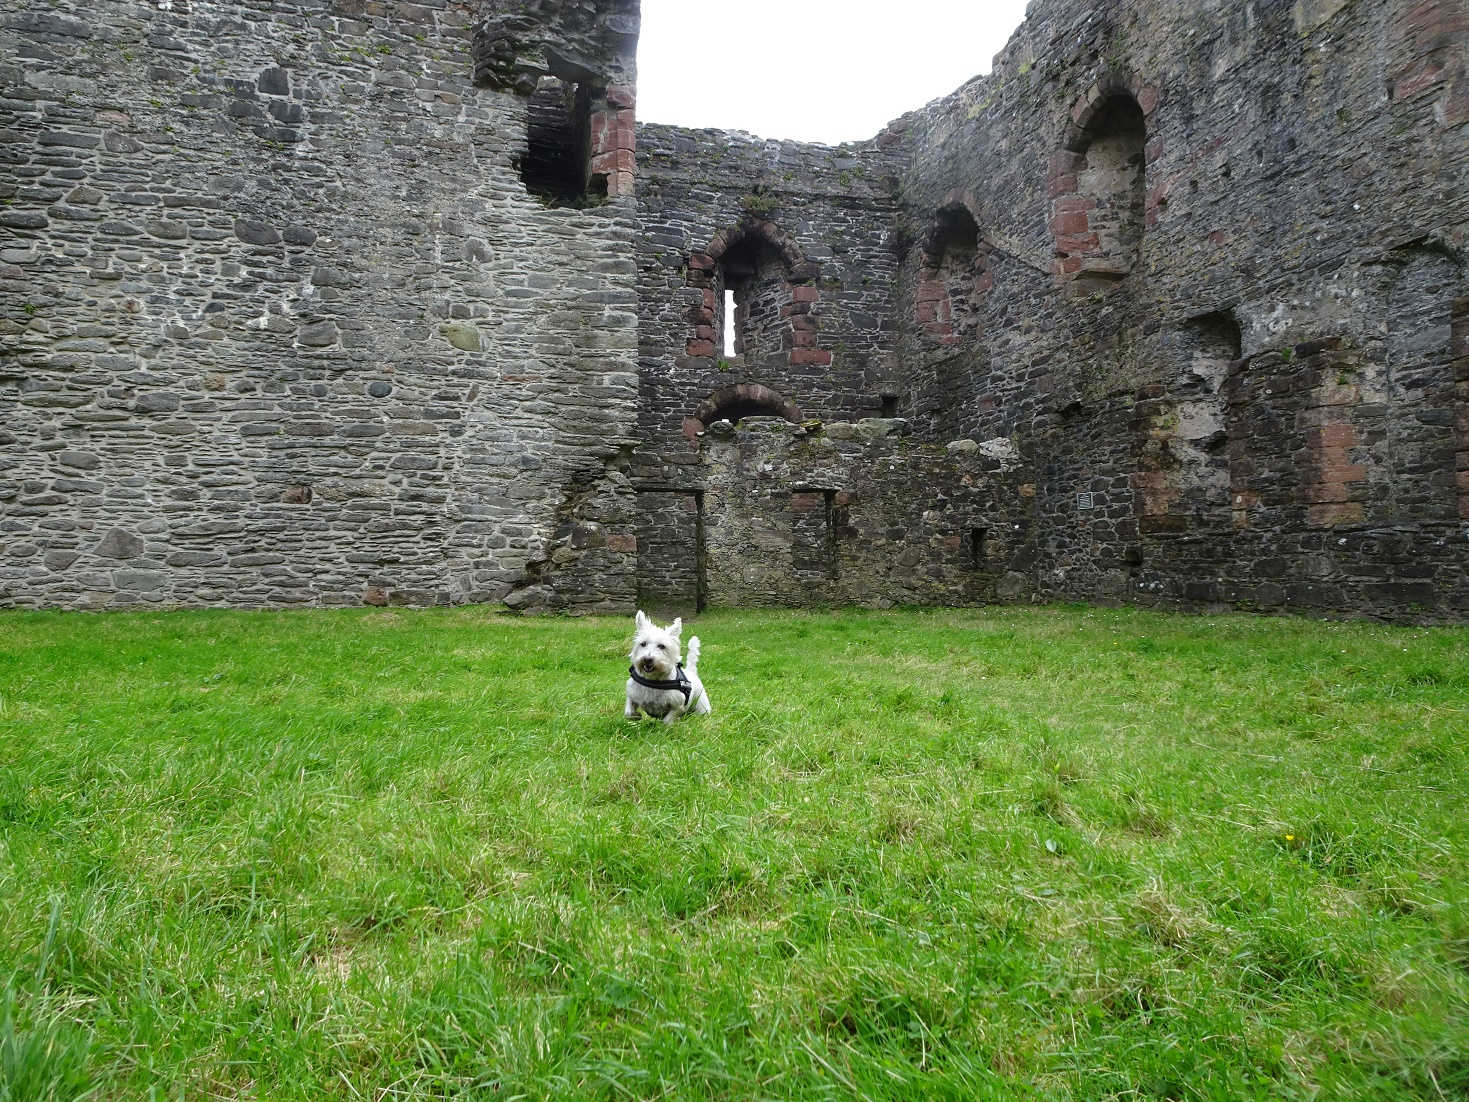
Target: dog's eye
x: 662, y: 647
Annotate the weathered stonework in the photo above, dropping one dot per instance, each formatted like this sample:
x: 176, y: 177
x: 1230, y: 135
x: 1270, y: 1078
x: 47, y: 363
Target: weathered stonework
x: 369, y: 301
x: 283, y: 325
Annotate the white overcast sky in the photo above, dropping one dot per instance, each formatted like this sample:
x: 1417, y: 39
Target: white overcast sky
x: 818, y: 70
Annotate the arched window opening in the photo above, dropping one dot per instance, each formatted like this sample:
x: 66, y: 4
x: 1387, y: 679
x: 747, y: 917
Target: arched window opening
x: 1100, y: 190
x: 757, y: 299
x: 755, y: 281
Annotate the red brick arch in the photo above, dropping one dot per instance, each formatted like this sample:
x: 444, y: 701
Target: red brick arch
x: 738, y: 401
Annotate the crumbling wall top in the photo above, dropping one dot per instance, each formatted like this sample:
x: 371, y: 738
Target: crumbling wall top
x: 517, y: 42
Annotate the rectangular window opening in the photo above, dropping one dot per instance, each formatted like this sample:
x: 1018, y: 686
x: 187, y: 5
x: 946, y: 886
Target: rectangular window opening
x: 889, y: 405
x: 817, y: 520
x: 835, y: 517
x: 977, y: 549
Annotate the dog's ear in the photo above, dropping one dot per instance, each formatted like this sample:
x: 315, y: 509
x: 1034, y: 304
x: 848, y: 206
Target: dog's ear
x: 675, y: 627
x: 640, y: 620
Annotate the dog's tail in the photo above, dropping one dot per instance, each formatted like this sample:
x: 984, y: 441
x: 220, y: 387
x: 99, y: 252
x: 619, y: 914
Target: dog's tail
x: 692, y: 665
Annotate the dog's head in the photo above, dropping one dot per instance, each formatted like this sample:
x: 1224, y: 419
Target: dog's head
x: 655, y: 651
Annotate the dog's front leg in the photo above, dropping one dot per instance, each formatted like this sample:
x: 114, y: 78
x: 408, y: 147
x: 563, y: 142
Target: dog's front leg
x: 629, y: 709
x: 673, y: 714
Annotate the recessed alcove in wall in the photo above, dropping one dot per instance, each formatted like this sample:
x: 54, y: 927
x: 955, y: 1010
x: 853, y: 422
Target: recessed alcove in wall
x: 1181, y: 477
x: 1098, y: 185
x: 952, y: 279
x: 1419, y: 468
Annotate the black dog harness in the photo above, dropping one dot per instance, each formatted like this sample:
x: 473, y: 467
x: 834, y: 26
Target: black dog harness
x: 680, y: 684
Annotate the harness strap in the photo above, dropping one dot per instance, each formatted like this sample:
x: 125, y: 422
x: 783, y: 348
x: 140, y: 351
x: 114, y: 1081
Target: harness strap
x: 680, y: 684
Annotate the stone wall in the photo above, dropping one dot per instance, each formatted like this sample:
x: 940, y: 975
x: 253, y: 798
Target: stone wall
x: 814, y: 224
x: 1223, y: 291
x: 341, y: 301
x: 860, y: 513
x: 282, y: 323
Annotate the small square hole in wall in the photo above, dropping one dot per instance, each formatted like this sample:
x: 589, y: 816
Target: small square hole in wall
x: 1084, y: 500
x: 889, y: 405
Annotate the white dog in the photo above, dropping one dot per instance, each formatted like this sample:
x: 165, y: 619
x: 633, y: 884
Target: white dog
x: 658, y: 682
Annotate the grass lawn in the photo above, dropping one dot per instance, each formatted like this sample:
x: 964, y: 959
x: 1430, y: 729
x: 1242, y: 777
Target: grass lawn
x: 1005, y: 853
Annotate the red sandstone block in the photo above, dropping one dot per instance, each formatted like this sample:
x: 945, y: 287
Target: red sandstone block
x: 1077, y: 244
x: 702, y: 262
x: 810, y: 356
x: 1414, y: 79
x: 704, y: 332
x: 699, y: 348
x: 1069, y: 203
x: 1147, y: 99
x: 692, y: 427
x: 626, y: 542
x: 1072, y: 222
x: 1061, y: 185
x: 1435, y: 21
x: 622, y: 95
x: 804, y: 292
x: 1064, y: 161
x: 925, y: 312
x: 803, y: 339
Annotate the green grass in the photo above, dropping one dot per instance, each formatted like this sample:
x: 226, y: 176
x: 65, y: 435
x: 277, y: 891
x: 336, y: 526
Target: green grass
x: 1051, y: 853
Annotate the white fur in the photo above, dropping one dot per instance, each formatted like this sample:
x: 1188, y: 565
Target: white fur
x: 655, y: 654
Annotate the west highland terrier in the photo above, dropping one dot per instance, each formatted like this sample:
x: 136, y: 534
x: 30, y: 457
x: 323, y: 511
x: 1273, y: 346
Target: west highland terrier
x: 658, y: 682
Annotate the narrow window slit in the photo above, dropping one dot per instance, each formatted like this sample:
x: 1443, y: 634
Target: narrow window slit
x: 730, y: 328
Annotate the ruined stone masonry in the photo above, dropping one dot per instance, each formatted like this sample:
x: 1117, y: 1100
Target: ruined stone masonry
x: 336, y: 302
